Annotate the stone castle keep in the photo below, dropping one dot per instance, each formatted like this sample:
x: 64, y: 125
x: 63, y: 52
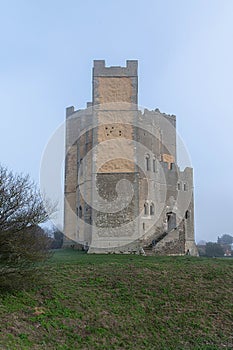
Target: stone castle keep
x: 124, y: 192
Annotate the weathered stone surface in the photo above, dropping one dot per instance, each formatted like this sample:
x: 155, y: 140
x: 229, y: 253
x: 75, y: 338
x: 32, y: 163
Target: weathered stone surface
x: 113, y: 90
x: 113, y: 148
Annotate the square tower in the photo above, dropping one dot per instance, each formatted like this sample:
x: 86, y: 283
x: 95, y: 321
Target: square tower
x: 123, y: 188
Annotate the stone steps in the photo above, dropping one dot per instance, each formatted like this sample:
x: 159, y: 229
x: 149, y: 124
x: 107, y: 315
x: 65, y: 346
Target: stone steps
x: 148, y: 249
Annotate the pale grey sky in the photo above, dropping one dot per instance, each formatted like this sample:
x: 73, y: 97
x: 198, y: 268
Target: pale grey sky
x: 185, y: 53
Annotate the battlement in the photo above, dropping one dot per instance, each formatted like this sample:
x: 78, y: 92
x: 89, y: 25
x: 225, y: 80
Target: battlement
x: 100, y: 70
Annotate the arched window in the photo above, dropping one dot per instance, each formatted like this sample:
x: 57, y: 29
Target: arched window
x: 154, y: 168
x: 152, y: 209
x: 187, y: 214
x: 146, y: 209
x: 147, y: 162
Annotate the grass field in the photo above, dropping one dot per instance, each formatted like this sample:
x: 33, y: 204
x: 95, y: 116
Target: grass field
x: 122, y: 302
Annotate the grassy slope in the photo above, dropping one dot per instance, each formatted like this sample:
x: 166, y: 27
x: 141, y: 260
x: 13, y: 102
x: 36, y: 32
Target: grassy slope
x: 122, y: 302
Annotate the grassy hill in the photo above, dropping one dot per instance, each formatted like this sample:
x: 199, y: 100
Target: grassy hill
x: 122, y: 302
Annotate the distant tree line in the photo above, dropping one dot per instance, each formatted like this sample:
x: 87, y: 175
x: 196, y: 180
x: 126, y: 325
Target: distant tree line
x: 225, y: 239
x: 223, y: 247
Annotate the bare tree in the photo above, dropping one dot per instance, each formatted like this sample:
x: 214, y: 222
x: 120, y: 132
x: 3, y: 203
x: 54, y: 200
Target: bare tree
x: 22, y: 242
x: 21, y: 205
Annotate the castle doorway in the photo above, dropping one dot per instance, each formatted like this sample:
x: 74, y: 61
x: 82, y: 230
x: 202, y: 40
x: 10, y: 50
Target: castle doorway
x: 171, y: 221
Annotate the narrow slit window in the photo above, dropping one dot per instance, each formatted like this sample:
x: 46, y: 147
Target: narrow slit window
x: 80, y: 211
x: 147, y: 162
x: 152, y: 209
x: 154, y: 165
x: 145, y: 209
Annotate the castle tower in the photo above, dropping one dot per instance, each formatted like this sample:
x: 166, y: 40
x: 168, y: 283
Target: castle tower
x: 123, y: 187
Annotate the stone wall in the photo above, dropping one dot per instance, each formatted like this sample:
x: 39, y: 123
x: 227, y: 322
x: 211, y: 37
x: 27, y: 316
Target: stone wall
x: 106, y: 187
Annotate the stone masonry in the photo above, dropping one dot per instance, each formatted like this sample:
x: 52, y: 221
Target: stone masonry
x: 124, y: 191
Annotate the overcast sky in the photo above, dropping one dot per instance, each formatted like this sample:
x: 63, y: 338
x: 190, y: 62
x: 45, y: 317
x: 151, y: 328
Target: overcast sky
x: 185, y: 54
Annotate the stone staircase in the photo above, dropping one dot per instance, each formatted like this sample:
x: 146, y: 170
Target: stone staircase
x: 148, y: 248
